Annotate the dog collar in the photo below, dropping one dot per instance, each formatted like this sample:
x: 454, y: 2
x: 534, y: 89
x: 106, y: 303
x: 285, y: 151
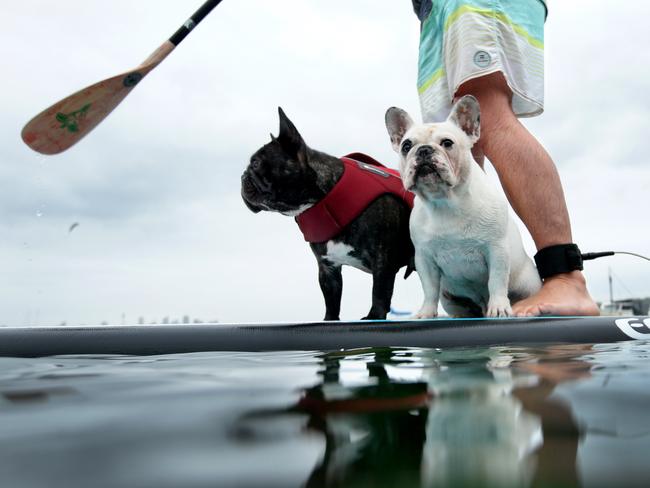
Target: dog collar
x: 363, y: 181
x: 562, y: 258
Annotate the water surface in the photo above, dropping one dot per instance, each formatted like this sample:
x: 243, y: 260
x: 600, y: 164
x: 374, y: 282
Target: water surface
x: 564, y: 415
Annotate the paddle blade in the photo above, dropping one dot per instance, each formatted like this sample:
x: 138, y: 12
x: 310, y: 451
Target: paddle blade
x: 66, y: 122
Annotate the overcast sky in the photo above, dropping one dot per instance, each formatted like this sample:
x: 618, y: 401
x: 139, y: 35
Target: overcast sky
x: 155, y: 188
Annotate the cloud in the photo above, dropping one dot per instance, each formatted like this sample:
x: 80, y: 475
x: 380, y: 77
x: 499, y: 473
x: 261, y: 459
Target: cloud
x: 155, y: 188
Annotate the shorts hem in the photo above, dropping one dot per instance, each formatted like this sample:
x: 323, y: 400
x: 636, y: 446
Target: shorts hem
x: 515, y: 91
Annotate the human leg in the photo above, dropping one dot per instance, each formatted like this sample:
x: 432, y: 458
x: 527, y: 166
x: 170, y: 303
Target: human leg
x: 533, y: 187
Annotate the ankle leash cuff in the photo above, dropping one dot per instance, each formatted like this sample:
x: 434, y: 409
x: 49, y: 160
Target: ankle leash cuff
x: 562, y: 258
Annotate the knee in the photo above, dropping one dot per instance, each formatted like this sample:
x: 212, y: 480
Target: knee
x: 495, y: 125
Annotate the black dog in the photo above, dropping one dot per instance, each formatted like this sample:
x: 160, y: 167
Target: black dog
x: 288, y: 177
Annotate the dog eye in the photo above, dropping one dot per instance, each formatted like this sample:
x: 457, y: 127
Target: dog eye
x: 256, y: 163
x: 447, y: 143
x: 406, y: 146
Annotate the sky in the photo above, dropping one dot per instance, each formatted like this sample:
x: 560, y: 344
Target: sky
x: 162, y: 231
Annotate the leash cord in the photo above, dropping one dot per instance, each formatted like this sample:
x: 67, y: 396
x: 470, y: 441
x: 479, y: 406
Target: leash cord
x: 595, y: 255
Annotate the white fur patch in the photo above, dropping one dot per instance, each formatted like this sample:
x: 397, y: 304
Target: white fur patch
x: 339, y: 253
x: 298, y: 211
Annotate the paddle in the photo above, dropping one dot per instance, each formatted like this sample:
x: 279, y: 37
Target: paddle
x: 63, y: 124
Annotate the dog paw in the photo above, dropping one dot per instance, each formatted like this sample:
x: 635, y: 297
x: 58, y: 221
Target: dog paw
x: 371, y: 316
x: 426, y: 312
x: 499, y: 307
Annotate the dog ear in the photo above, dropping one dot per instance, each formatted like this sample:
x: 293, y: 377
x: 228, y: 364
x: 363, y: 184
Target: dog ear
x: 290, y: 139
x: 397, y: 123
x: 466, y: 114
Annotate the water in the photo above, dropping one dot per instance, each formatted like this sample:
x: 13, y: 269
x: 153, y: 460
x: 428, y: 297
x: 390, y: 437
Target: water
x: 566, y: 415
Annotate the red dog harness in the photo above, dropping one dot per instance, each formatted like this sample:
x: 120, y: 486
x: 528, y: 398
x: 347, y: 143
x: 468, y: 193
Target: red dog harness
x: 362, y: 182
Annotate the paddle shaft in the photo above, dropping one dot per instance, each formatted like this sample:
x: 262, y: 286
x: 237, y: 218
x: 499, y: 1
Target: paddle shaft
x: 193, y: 21
x: 168, y: 46
x: 131, y: 79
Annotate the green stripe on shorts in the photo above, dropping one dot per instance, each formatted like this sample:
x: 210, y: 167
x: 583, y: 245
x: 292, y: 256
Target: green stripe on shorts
x: 518, y: 14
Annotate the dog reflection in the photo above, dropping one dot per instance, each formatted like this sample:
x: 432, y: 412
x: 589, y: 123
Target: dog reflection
x: 471, y: 418
x: 375, y: 433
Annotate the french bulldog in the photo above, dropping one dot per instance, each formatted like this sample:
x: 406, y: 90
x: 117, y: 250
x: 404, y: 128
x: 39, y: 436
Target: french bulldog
x: 287, y: 176
x: 468, y: 250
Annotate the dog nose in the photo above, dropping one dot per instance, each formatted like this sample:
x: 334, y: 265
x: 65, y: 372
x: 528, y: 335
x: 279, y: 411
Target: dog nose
x: 424, y: 152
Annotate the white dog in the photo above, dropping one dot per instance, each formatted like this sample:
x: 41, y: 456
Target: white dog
x: 468, y: 250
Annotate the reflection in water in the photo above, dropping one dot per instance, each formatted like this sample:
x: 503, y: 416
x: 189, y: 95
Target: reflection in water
x: 556, y: 458
x: 554, y: 416
x: 477, y: 433
x: 375, y: 431
x: 413, y: 418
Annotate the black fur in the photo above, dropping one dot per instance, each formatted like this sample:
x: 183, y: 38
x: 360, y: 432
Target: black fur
x: 285, y: 175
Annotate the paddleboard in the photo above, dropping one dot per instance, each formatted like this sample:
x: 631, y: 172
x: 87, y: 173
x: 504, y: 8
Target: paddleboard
x: 325, y: 336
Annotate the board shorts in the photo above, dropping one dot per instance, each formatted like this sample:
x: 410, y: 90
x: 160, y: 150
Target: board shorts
x: 465, y: 39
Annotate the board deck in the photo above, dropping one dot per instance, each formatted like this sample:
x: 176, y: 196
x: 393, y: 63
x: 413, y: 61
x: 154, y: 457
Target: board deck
x: 326, y: 336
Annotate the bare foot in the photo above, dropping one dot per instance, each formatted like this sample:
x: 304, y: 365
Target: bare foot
x: 563, y: 294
